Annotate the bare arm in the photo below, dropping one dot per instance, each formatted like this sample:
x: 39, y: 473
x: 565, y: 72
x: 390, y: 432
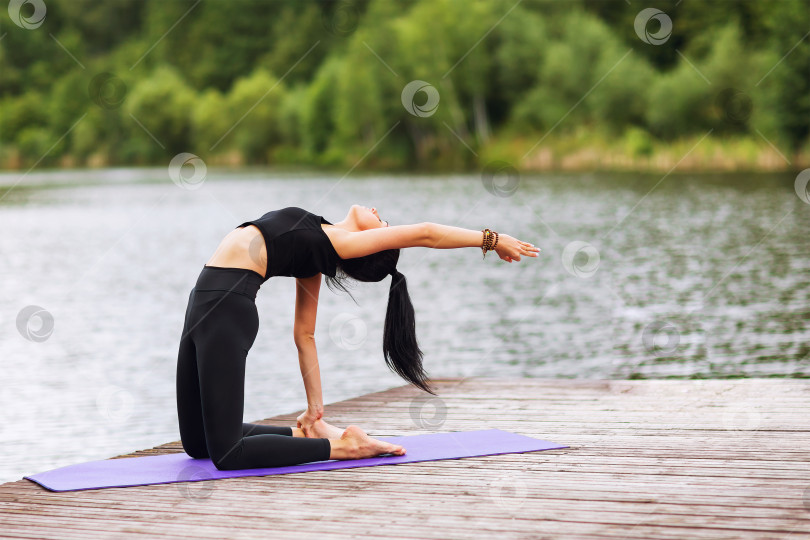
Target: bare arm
x: 433, y: 235
x: 306, y: 309
x: 350, y: 245
x: 449, y: 237
x: 311, y: 421
x: 311, y: 373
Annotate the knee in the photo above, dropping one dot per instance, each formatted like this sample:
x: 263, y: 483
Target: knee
x: 195, y: 451
x: 226, y: 463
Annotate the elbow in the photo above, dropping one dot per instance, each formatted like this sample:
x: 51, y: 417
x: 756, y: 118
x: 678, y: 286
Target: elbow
x: 428, y: 233
x: 303, y: 341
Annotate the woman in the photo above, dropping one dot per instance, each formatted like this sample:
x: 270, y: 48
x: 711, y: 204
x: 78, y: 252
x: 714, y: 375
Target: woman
x: 221, y: 323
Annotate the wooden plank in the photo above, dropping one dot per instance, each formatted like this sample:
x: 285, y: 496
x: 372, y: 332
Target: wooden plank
x: 549, y: 500
x: 647, y: 459
x: 472, y: 522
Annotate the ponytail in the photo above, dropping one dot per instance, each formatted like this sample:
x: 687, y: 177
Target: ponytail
x: 400, y: 348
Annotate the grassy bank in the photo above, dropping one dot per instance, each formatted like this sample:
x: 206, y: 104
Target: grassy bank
x: 636, y: 151
x: 633, y: 152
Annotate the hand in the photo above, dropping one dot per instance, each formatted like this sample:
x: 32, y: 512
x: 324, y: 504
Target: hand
x: 307, y: 419
x: 510, y: 249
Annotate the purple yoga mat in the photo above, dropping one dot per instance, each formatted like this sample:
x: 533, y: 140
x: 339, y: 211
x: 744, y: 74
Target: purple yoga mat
x: 179, y: 467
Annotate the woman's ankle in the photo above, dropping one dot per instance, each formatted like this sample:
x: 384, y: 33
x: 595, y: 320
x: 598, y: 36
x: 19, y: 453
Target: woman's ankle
x: 339, y: 449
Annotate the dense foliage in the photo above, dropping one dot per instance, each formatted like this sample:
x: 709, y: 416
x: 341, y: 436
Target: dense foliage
x: 257, y: 81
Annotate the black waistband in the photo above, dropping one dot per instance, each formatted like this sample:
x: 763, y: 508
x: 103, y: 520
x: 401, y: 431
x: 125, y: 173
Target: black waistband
x: 236, y: 280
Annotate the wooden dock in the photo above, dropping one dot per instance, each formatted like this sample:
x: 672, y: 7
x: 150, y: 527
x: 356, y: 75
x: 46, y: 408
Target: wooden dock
x: 647, y: 459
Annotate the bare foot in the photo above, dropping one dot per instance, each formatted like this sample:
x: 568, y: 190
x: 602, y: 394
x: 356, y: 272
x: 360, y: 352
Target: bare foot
x: 324, y: 430
x: 356, y: 444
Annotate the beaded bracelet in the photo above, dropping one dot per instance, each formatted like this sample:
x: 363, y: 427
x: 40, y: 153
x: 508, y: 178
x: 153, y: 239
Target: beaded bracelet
x: 484, y: 242
x: 487, y: 244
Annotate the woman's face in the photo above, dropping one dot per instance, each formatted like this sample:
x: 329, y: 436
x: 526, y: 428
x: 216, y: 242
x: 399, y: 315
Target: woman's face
x: 367, y: 218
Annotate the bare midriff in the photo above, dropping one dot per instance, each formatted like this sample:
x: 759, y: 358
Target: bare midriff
x: 242, y: 248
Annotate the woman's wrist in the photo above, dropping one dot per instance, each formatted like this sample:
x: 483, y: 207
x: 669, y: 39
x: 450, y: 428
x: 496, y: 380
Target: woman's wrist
x: 316, y: 408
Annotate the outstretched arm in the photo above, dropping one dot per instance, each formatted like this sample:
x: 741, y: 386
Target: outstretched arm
x: 433, y: 235
x: 449, y: 237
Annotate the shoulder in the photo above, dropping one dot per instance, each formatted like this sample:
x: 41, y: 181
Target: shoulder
x: 350, y: 245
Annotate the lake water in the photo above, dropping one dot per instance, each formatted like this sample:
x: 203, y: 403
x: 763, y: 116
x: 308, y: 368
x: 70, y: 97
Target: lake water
x: 697, y: 276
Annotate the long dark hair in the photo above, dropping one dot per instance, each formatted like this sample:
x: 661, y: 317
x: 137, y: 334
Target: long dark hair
x: 400, y: 348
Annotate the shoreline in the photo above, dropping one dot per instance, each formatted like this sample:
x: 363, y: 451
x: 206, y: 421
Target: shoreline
x: 631, y: 153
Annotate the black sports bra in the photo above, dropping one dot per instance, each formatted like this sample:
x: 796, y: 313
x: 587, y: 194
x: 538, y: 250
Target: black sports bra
x: 297, y: 245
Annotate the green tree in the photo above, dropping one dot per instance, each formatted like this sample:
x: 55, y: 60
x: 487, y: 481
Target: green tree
x: 160, y: 104
x: 253, y: 106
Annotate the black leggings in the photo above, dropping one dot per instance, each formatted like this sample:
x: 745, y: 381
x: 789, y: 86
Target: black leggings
x: 221, y: 323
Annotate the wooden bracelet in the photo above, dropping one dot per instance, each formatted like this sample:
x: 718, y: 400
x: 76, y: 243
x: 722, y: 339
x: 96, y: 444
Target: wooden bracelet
x: 487, y: 244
